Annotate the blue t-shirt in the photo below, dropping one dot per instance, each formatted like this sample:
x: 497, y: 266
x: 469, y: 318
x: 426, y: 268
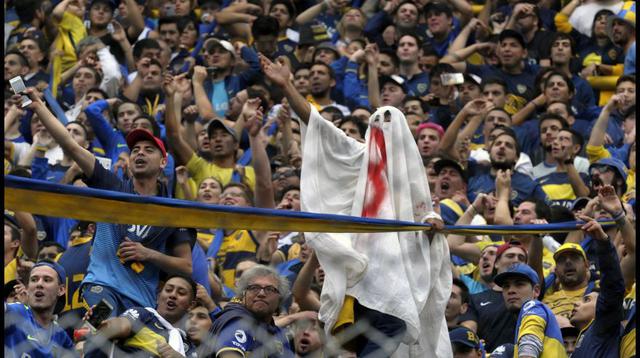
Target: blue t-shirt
x: 24, y: 337
x: 219, y: 98
x: 105, y: 268
x: 522, y: 187
x: 237, y: 330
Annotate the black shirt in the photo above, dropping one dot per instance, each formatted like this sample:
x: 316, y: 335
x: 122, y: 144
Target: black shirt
x: 496, y: 325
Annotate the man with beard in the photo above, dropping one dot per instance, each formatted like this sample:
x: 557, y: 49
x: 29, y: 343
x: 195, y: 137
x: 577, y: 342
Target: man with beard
x: 503, y: 152
x: 355, y: 265
x: 598, y: 315
x: 322, y: 78
x: 125, y: 263
x: 30, y: 329
x: 144, y: 331
x: 537, y: 331
x: 246, y: 325
x: 565, y: 184
x: 622, y: 28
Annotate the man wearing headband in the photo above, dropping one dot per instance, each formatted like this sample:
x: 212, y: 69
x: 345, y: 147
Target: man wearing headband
x: 30, y: 330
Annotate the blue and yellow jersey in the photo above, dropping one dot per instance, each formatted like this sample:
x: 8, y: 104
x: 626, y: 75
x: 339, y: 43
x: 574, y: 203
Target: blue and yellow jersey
x: 204, y: 237
x: 558, y: 188
x: 561, y: 302
x: 75, y: 261
x: 146, y: 332
x: 537, y: 319
x: 236, y: 246
x: 628, y: 341
x: 451, y: 211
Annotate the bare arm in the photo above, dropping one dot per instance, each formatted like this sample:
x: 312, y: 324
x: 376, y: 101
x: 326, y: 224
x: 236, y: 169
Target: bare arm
x: 180, y: 148
x: 205, y: 108
x: 29, y: 235
x: 264, y: 189
x: 503, y: 189
x: 311, y: 13
x: 525, y: 112
x: 600, y: 127
x: 373, y: 85
x: 115, y: 328
x: 280, y: 75
x: 302, y: 286
x: 58, y: 11
x: 578, y: 186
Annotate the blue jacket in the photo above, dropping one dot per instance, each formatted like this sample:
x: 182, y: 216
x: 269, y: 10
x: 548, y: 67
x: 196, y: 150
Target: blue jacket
x: 236, y: 83
x: 601, y: 338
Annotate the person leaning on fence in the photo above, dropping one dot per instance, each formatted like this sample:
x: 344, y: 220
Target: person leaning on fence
x: 31, y: 329
x: 246, y: 326
x: 144, y: 331
x: 122, y: 269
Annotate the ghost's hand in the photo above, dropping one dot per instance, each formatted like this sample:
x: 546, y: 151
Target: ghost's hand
x: 436, y: 224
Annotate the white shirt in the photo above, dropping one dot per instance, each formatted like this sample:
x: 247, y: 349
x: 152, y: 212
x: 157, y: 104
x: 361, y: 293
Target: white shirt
x: 543, y: 169
x: 582, y: 17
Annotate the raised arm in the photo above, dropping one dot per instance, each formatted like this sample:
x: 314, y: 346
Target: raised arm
x: 302, y: 286
x: 457, y: 243
x: 179, y: 147
x: 503, y: 191
x: 280, y: 75
x: 205, y: 108
x: 257, y: 140
x: 136, y: 21
x: 85, y: 159
x: 476, y: 108
x: 373, y: 86
x: 600, y: 127
x: 29, y: 234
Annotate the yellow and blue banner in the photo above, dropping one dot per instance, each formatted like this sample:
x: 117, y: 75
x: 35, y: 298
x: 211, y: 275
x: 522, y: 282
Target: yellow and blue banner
x: 97, y: 205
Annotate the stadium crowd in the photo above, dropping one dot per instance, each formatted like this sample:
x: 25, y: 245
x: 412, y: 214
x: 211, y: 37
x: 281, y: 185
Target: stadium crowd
x: 523, y: 113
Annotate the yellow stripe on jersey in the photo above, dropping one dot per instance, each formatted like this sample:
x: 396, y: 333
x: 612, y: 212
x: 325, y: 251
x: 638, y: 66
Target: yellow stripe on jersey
x: 628, y: 345
x: 559, y: 191
x: 235, y: 246
x: 453, y: 206
x: 146, y: 340
x: 536, y: 325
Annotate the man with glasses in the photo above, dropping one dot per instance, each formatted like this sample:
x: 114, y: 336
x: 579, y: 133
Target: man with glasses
x: 609, y: 171
x: 246, y: 324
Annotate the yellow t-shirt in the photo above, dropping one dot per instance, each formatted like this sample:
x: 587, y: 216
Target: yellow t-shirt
x: 200, y: 169
x: 561, y: 302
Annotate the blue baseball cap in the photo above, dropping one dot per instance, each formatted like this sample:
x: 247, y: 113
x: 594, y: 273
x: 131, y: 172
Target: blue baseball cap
x: 617, y: 166
x: 517, y: 270
x: 465, y: 336
x: 62, y: 274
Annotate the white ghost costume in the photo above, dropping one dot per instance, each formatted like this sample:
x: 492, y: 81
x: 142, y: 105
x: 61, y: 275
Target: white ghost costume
x: 400, y: 274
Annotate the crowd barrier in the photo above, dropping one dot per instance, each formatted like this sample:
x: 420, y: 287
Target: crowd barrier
x: 58, y: 200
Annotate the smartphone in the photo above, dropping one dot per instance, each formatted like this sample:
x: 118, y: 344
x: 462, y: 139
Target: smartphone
x: 100, y: 312
x: 17, y: 85
x: 451, y: 79
x: 211, y: 71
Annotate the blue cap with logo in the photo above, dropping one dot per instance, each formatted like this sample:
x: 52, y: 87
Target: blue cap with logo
x: 517, y: 270
x: 465, y: 336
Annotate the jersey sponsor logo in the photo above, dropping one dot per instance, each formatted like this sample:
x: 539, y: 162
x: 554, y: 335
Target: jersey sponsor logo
x: 240, y: 336
x: 422, y: 87
x: 32, y: 338
x: 514, y: 194
x: 529, y: 305
x: 96, y: 289
x: 133, y: 313
x: 613, y: 55
x: 140, y: 231
x: 521, y: 89
x: 42, y: 235
x: 482, y: 304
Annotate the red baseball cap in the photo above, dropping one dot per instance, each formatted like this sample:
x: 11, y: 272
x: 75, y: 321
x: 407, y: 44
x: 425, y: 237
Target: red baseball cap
x: 139, y: 134
x: 507, y: 245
